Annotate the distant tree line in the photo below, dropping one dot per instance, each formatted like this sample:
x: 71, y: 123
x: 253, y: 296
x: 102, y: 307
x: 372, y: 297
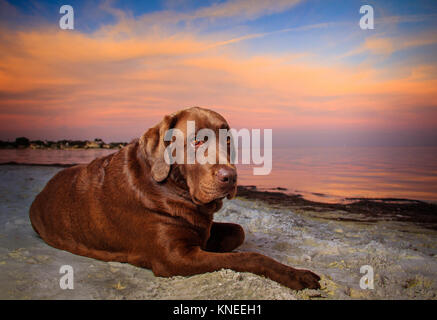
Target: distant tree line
x: 23, y: 143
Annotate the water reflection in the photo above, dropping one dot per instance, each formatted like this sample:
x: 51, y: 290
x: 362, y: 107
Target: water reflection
x: 322, y: 174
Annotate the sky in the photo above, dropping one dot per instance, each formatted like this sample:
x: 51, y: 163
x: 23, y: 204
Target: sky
x: 303, y: 68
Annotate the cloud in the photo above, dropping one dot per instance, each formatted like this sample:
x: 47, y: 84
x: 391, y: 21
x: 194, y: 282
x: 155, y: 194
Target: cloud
x: 116, y: 86
x: 169, y: 21
x: 412, y: 18
x: 244, y: 9
x: 275, y: 32
x: 379, y: 45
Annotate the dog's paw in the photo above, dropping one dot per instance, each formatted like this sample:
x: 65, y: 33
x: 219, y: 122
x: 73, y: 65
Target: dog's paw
x: 303, y: 279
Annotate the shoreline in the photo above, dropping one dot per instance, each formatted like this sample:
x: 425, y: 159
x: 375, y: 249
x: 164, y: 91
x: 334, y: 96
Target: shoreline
x: 357, y: 209
x: 368, y: 210
x: 333, y: 241
x: 321, y: 175
x: 64, y: 144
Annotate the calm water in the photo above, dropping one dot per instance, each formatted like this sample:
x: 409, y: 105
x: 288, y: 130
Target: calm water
x: 323, y: 174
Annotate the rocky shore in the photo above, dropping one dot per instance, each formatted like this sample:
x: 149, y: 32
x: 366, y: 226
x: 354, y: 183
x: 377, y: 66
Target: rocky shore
x: 23, y: 143
x: 355, y: 210
x: 396, y: 237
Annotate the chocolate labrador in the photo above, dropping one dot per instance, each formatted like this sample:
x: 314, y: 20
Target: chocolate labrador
x: 131, y: 206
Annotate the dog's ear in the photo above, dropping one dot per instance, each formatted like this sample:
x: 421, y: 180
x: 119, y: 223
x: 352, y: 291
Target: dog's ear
x: 153, y: 146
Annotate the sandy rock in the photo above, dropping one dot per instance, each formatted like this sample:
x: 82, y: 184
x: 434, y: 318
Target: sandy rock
x: 402, y: 255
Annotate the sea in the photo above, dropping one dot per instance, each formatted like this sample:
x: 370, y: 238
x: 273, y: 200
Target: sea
x: 324, y: 174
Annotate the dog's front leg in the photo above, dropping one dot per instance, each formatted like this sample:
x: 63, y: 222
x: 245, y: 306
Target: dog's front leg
x: 224, y: 237
x: 186, y: 261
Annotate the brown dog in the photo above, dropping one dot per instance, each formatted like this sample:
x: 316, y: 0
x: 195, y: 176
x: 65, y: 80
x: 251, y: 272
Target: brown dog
x: 131, y: 206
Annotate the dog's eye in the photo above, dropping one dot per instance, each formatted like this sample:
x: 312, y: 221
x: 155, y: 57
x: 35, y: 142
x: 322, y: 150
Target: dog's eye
x: 197, y: 143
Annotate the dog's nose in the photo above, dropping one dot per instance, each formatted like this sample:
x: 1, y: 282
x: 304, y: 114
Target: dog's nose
x: 227, y: 175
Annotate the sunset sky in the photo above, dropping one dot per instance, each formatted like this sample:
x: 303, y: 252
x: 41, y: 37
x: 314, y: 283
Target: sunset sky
x: 303, y: 68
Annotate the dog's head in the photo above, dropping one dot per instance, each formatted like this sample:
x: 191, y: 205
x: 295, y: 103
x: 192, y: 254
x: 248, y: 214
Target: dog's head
x: 206, y: 182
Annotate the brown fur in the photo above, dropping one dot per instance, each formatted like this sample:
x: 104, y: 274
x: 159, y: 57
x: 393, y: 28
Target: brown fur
x: 132, y: 207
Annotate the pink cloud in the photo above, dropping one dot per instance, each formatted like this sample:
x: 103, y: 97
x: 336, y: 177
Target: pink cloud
x: 56, y: 79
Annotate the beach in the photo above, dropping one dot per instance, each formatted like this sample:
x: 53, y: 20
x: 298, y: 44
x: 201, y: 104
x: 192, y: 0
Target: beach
x: 323, y: 114
x: 398, y: 239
